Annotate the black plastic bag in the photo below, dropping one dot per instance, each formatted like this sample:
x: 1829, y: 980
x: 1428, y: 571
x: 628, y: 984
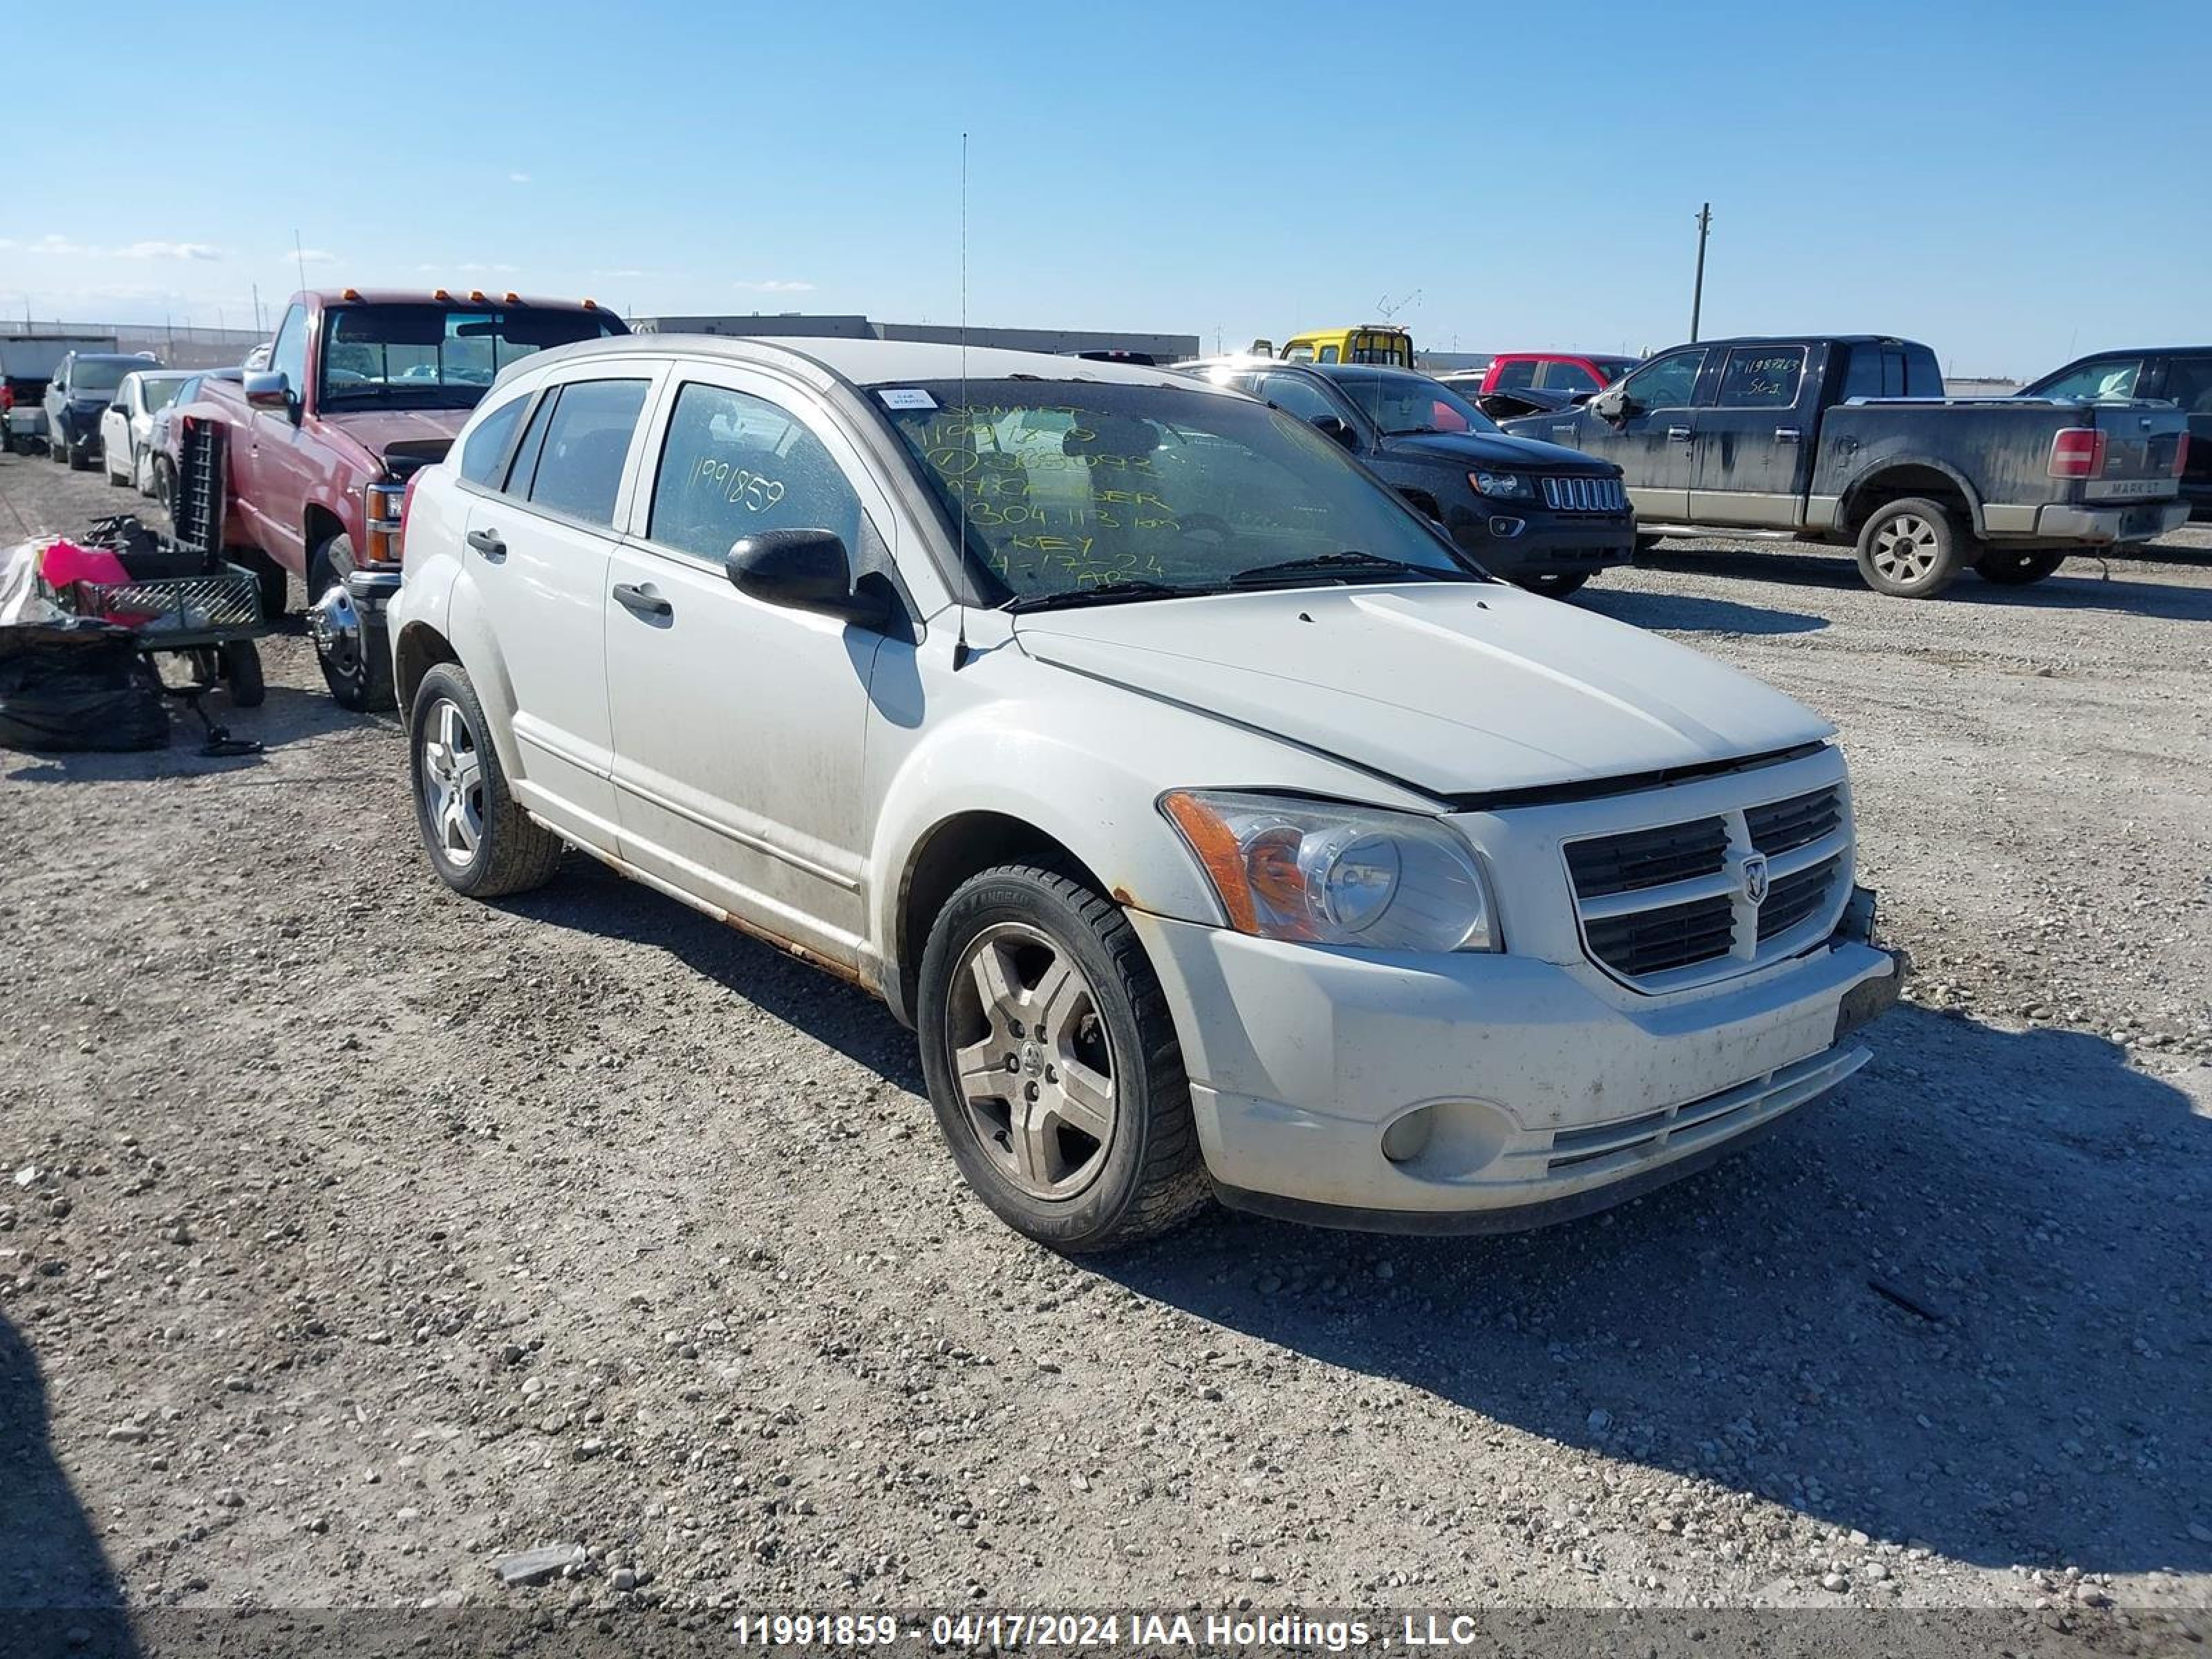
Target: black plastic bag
x: 76, y: 685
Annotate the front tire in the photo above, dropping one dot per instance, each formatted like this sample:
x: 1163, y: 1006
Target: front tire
x: 1911, y: 549
x: 165, y: 489
x: 480, y: 841
x: 2012, y: 568
x: 1053, y: 1065
x: 357, y: 668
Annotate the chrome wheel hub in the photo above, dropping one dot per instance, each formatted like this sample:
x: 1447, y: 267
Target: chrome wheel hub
x: 1031, y: 1061
x: 453, y: 782
x: 1906, y: 548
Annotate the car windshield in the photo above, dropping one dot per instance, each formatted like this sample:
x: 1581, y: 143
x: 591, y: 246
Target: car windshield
x: 159, y: 394
x: 99, y: 373
x: 1068, y: 487
x: 1406, y: 404
x: 434, y: 356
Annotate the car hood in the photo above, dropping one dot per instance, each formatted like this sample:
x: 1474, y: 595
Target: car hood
x: 1455, y: 689
x: 379, y: 431
x: 1482, y: 449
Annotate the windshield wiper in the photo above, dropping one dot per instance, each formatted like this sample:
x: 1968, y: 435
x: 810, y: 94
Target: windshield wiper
x: 1099, y: 593
x: 1337, y: 567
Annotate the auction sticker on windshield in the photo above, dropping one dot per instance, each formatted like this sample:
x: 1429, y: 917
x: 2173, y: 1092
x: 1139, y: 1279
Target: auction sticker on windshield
x: 906, y: 397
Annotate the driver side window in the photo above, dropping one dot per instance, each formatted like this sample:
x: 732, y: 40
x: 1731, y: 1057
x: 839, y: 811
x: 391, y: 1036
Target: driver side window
x: 1668, y: 382
x: 288, y: 355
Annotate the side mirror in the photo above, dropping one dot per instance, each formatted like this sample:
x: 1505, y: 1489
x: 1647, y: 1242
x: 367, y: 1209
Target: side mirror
x: 1336, y: 427
x: 1614, y: 404
x: 268, y: 389
x: 804, y: 570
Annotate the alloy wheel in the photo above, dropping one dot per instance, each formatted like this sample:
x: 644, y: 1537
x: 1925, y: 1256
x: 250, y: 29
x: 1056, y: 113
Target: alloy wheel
x: 1906, y: 548
x: 1032, y: 1060
x: 453, y: 782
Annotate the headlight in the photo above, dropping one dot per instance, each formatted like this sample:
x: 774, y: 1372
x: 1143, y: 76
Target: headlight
x: 1501, y: 486
x: 1337, y: 875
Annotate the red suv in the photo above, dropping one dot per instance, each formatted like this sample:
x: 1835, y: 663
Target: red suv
x: 1554, y: 371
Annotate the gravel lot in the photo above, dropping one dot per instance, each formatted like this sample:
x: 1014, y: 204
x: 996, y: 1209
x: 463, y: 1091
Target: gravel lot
x: 353, y: 1234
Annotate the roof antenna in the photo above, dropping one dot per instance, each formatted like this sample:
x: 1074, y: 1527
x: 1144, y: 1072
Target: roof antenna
x: 960, y: 643
x: 299, y: 254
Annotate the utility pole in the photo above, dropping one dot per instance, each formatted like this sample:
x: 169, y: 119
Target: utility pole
x: 1698, y: 293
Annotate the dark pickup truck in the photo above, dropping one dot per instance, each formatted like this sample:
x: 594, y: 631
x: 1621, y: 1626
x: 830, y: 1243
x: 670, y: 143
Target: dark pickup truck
x: 2181, y: 375
x: 1848, y: 439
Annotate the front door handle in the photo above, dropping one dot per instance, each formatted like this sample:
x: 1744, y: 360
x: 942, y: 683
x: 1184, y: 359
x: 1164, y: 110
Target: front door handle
x: 1786, y: 434
x: 487, y: 542
x: 1678, y: 434
x: 641, y: 598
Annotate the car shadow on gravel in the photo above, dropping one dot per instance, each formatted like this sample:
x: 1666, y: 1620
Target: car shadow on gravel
x: 58, y: 1591
x: 2078, y: 585
x: 1691, y: 613
x: 1962, y: 1306
x: 590, y: 898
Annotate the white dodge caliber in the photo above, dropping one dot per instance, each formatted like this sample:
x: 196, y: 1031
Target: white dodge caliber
x: 1219, y: 829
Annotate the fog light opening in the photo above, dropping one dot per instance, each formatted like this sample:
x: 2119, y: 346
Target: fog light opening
x: 1408, y: 1137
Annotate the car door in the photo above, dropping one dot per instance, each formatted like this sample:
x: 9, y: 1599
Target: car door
x: 115, y: 426
x: 57, y: 400
x: 1653, y: 440
x: 739, y: 726
x: 537, y: 552
x: 1754, y: 451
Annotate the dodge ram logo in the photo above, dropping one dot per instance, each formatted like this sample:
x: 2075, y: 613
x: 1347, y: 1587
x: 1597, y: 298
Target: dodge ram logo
x: 1755, y: 879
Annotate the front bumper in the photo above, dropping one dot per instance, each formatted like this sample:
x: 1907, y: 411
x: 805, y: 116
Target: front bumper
x: 1544, y: 543
x: 1545, y: 1090
x: 372, y: 590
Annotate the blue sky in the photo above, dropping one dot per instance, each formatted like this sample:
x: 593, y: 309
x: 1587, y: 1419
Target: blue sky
x: 2013, y: 183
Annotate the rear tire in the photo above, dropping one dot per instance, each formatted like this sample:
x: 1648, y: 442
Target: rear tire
x: 165, y: 487
x: 1082, y: 1137
x: 480, y: 841
x: 1911, y: 549
x: 358, y: 671
x: 1554, y: 584
x: 2010, y: 568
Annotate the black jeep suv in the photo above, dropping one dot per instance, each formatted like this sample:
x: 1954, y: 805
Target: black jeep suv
x: 1545, y: 517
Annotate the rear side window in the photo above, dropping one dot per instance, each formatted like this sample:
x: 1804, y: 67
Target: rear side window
x: 2188, y: 383
x: 580, y: 461
x: 1561, y: 376
x: 734, y: 466
x: 1329, y: 354
x: 483, y: 457
x: 1761, y: 377
x: 2109, y: 377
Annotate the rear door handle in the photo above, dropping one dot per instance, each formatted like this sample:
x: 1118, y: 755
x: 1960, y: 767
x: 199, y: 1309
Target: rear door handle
x: 641, y: 598
x: 487, y: 542
x: 1678, y: 434
x: 1786, y: 434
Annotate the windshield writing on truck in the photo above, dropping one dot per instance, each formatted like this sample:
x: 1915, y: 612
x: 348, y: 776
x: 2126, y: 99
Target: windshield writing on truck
x: 433, y: 355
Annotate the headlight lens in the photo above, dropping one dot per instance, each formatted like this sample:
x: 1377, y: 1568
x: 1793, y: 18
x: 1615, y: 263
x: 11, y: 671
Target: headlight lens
x: 1337, y: 875
x: 1501, y: 486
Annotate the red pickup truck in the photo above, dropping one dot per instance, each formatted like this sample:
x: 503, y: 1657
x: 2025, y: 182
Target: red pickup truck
x: 363, y: 387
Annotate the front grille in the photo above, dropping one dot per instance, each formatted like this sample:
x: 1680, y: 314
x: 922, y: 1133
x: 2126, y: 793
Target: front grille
x: 1782, y: 826
x: 1647, y: 858
x: 1647, y: 942
x: 1671, y: 904
x: 1794, y: 898
x: 1578, y: 493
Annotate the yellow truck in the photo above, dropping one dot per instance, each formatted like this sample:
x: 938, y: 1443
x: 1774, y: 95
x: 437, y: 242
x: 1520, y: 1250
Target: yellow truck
x: 1369, y: 343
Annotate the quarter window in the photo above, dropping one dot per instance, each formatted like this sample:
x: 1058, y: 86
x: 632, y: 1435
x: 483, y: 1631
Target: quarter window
x: 579, y: 463
x: 1761, y: 377
x: 483, y: 456
x: 734, y: 466
x: 1666, y: 382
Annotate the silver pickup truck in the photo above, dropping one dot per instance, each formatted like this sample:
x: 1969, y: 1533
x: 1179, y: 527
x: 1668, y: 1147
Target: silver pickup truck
x: 1848, y: 439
